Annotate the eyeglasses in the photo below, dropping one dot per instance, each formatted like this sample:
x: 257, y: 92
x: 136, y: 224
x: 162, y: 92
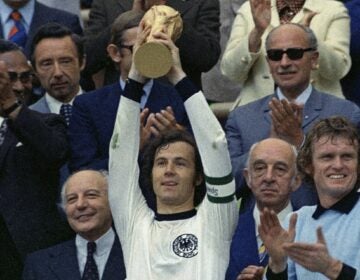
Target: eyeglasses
x: 292, y: 53
x: 126, y: 47
x: 24, y: 77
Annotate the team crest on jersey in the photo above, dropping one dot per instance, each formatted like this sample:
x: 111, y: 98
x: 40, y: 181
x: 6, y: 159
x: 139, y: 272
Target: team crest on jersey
x: 186, y: 246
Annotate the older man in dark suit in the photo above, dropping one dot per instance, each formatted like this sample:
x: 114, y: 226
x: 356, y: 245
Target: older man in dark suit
x: 292, y: 110
x: 27, y: 16
x: 95, y: 253
x: 33, y: 146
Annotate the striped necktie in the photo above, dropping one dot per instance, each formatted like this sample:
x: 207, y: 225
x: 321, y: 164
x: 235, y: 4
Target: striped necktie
x: 17, y: 33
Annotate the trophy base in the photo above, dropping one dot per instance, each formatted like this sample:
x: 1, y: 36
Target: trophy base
x: 153, y: 60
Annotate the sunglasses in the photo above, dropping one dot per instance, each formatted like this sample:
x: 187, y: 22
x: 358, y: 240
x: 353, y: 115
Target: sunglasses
x: 24, y: 77
x: 292, y: 53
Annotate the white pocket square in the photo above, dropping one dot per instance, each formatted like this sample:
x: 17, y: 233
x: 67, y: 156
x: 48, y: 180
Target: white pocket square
x: 19, y: 144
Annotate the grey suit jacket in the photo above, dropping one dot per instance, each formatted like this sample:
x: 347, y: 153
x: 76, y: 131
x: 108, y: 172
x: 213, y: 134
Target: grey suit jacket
x: 41, y: 106
x: 251, y: 123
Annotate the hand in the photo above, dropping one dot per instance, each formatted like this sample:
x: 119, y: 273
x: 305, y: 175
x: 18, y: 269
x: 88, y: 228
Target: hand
x: 274, y: 237
x: 176, y: 72
x: 251, y: 272
x: 286, y: 121
x: 142, y: 34
x: 156, y: 123
x: 165, y: 120
x: 261, y: 13
x: 314, y: 257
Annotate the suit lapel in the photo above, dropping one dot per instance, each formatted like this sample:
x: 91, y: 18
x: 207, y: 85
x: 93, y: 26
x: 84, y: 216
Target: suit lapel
x: 266, y: 109
x: 64, y: 262
x: 312, y: 108
x: 115, y: 268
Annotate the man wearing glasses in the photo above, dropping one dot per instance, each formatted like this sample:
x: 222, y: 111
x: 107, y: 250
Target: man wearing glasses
x: 291, y: 111
x: 244, y: 59
x: 19, y: 71
x: 94, y: 113
x: 33, y: 146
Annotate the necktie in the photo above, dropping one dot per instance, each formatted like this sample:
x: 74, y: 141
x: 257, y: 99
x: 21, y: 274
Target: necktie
x: 3, y: 129
x: 65, y: 111
x: 263, y: 255
x: 17, y: 32
x: 90, y: 271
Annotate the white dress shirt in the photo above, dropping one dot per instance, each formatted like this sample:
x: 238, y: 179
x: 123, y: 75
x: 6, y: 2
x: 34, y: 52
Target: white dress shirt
x: 55, y: 105
x: 103, y: 248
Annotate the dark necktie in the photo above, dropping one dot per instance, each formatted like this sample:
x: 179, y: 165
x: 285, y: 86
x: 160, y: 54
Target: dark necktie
x: 90, y: 271
x: 3, y: 129
x: 17, y: 32
x: 65, y: 111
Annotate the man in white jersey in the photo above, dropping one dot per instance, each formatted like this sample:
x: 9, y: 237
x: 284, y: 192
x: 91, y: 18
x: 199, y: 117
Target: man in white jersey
x: 178, y: 240
x: 321, y: 241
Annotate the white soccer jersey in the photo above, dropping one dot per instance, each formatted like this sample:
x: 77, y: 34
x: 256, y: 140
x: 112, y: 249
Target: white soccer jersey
x: 195, y: 247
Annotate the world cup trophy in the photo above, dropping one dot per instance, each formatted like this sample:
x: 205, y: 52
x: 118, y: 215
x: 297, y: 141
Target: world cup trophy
x: 153, y: 59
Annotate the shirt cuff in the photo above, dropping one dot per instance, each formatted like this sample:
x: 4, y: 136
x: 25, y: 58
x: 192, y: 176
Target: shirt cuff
x: 270, y: 275
x: 133, y: 90
x: 186, y: 88
x: 347, y: 273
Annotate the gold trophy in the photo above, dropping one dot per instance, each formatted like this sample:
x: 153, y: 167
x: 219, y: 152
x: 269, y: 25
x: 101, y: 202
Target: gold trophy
x: 153, y: 59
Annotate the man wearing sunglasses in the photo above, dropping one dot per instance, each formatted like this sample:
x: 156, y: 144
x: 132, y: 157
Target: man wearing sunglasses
x: 19, y: 71
x: 288, y: 113
x: 33, y: 146
x: 244, y: 59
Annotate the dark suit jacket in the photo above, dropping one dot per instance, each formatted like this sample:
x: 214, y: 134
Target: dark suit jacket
x: 244, y: 249
x: 44, y: 14
x: 34, y: 148
x: 60, y: 262
x: 93, y: 119
x: 199, y: 43
x: 251, y: 123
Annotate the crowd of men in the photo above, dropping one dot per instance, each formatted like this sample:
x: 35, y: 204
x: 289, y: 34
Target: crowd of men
x: 108, y: 174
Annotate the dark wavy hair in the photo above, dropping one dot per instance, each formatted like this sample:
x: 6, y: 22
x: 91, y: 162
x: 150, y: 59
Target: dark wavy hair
x: 53, y: 30
x: 162, y: 141
x: 332, y: 127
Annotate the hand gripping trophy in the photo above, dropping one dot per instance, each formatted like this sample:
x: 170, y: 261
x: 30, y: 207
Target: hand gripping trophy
x: 153, y: 59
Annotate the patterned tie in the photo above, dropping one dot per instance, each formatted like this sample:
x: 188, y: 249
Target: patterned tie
x: 3, y: 129
x: 65, y: 111
x: 17, y: 33
x: 90, y: 271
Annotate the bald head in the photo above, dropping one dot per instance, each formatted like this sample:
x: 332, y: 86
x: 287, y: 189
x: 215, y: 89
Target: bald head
x: 290, y: 30
x: 271, y: 173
